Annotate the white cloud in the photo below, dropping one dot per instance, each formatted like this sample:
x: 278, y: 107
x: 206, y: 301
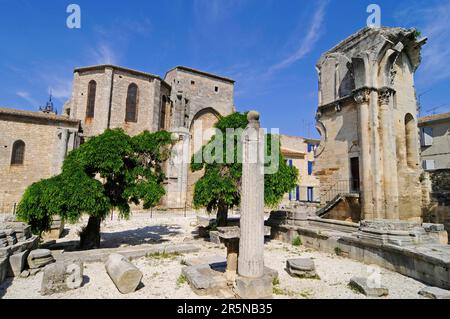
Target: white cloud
x: 105, y: 54
x: 27, y: 97
x: 307, y: 43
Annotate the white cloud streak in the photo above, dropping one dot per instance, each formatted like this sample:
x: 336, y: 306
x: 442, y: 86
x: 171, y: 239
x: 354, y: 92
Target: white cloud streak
x: 27, y: 97
x: 307, y: 43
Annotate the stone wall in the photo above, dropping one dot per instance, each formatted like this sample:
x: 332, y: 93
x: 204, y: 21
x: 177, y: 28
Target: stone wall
x: 110, y: 101
x: 47, y: 139
x: 439, y: 207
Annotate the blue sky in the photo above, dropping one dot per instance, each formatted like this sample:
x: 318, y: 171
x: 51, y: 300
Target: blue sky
x: 269, y: 47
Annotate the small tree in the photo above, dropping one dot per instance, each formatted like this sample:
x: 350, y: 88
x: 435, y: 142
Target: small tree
x: 112, y: 170
x: 219, y: 188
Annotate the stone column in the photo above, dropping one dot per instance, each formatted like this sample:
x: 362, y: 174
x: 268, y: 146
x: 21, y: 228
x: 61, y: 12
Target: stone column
x: 251, y: 247
x: 177, y: 171
x: 377, y: 167
x: 389, y: 155
x: 252, y: 281
x: 362, y: 99
x: 62, y: 137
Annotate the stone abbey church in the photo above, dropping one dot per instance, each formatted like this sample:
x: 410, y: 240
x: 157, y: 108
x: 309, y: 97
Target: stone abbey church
x: 34, y: 144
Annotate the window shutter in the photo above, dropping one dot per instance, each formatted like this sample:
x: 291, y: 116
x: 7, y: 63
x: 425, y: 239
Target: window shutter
x: 427, y: 136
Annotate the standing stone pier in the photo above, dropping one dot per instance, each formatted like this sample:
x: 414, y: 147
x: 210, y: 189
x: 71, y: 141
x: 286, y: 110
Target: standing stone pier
x: 252, y: 282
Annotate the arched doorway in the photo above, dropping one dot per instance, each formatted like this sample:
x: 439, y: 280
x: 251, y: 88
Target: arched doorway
x: 201, y: 131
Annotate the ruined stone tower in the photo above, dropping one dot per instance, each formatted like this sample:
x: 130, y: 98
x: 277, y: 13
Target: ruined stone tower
x: 367, y: 118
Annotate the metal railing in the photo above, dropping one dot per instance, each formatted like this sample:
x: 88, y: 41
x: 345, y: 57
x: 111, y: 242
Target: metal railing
x: 349, y: 186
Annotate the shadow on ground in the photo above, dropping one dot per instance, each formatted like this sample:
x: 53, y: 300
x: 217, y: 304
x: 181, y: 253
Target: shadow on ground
x: 132, y: 237
x: 4, y: 286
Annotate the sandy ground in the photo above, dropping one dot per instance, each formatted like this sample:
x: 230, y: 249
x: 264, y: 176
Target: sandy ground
x: 161, y: 275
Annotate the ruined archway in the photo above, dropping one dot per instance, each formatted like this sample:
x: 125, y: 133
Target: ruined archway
x: 201, y: 130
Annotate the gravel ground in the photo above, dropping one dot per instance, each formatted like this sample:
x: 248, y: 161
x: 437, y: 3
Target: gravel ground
x: 161, y: 276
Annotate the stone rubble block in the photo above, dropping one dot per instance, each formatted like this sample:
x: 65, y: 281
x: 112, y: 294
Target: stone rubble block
x: 123, y: 273
x: 61, y: 277
x: 39, y: 258
x: 3, y: 240
x: 361, y: 284
x: 18, y: 263
x: 4, y: 265
x: 301, y: 267
x: 434, y: 293
x: 204, y: 280
x: 11, y: 237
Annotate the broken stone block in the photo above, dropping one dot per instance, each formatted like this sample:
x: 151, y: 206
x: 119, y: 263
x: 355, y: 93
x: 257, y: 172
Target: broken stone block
x: 434, y: 293
x: 11, y: 237
x: 362, y: 285
x: 204, y: 280
x: 3, y: 240
x: 254, y: 288
x: 301, y: 267
x: 3, y: 269
x: 61, y: 277
x: 18, y: 263
x: 123, y: 273
x: 25, y: 274
x: 39, y: 258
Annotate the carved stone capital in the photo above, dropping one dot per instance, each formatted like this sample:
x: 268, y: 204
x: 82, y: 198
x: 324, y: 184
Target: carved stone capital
x: 384, y: 95
x: 361, y: 95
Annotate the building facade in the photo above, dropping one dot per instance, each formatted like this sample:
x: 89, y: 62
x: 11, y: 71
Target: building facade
x: 299, y: 152
x: 435, y: 141
x: 33, y: 146
x: 367, y: 118
x: 187, y: 102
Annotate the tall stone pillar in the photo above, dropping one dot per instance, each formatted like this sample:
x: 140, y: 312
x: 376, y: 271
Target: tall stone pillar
x: 62, y: 138
x: 251, y: 248
x: 177, y: 171
x: 252, y: 281
x: 390, y: 179
x: 362, y: 99
x: 377, y: 167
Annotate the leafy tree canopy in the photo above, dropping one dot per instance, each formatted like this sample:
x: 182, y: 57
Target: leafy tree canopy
x: 220, y: 186
x: 109, y: 171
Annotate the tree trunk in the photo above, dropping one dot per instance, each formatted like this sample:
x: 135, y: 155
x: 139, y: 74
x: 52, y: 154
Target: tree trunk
x: 90, y: 236
x: 222, y: 216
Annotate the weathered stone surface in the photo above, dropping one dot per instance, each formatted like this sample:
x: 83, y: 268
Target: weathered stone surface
x: 25, y: 274
x: 61, y: 277
x: 301, y: 267
x: 204, y: 280
x: 434, y: 293
x: 11, y: 237
x: 123, y: 273
x: 3, y: 269
x: 18, y: 263
x: 34, y: 272
x: 361, y: 284
x: 39, y: 258
x: 255, y: 288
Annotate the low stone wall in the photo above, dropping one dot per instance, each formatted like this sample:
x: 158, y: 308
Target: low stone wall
x: 439, y: 207
x: 427, y: 263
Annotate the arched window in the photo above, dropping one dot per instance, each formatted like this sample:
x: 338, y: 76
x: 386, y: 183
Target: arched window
x: 411, y: 140
x: 132, y: 101
x: 162, y: 119
x: 92, y: 89
x: 18, y: 153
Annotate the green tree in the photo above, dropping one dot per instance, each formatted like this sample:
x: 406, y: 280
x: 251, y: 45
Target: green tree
x: 219, y: 188
x: 109, y: 171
